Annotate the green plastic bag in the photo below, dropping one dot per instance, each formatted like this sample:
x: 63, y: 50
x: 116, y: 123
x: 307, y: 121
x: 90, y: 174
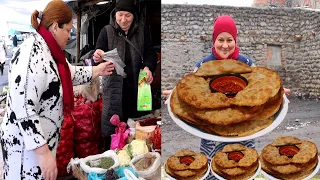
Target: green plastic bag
x: 144, y: 93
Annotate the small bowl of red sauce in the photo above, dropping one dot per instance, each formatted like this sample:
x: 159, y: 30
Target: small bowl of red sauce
x: 228, y: 84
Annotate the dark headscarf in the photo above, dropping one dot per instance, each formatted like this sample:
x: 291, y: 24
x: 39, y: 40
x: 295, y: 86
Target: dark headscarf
x: 126, y: 5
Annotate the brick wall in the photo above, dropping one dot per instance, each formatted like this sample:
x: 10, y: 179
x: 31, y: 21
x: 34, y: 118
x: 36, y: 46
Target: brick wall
x: 186, y: 38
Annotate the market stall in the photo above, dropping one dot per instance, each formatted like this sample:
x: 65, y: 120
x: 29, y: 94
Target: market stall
x: 134, y: 154
x: 135, y: 147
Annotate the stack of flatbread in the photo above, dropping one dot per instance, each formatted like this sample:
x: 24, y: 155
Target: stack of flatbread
x: 250, y: 111
x: 235, y: 162
x: 187, y: 165
x: 289, y: 158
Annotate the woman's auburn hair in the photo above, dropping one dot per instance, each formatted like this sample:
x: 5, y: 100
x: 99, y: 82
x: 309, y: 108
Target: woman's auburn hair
x: 55, y: 11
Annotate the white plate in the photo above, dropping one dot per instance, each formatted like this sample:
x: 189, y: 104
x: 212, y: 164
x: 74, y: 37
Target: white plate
x: 222, y: 178
x: 279, y: 117
x: 168, y: 177
x: 315, y: 171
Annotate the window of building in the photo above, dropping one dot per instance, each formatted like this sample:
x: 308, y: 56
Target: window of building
x: 274, y: 55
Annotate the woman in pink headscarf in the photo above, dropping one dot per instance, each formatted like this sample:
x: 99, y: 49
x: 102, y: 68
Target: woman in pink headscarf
x: 224, y: 46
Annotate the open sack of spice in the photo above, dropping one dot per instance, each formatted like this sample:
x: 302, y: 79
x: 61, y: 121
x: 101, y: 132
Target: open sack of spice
x: 147, y: 165
x: 113, y: 56
x: 99, y: 163
x: 118, y: 140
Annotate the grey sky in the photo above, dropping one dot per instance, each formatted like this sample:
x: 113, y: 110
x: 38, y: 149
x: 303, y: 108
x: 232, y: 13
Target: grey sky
x: 18, y: 12
x: 25, y: 7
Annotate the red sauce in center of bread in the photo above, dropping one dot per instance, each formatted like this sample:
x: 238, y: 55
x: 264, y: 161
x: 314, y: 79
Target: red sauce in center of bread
x: 228, y: 84
x: 289, y: 150
x: 236, y: 156
x: 227, y: 87
x: 187, y: 160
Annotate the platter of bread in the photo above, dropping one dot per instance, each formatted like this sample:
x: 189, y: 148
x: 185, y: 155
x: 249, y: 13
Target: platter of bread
x: 187, y: 165
x: 289, y: 158
x: 235, y: 162
x: 214, y: 103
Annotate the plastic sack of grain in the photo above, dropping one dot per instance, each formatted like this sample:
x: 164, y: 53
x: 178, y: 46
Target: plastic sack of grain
x: 88, y: 169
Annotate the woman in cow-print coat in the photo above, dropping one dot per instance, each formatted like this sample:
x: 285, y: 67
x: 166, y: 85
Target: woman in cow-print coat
x: 40, y: 87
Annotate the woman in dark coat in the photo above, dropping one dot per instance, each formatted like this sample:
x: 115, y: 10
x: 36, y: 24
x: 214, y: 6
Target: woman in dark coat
x: 120, y: 93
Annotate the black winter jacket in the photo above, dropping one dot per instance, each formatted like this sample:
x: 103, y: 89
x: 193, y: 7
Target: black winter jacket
x: 110, y: 38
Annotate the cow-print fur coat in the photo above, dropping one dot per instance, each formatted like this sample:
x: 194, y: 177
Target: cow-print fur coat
x: 34, y: 107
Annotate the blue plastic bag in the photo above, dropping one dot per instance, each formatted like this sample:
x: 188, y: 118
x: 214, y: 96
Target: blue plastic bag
x: 120, y: 172
x: 95, y: 176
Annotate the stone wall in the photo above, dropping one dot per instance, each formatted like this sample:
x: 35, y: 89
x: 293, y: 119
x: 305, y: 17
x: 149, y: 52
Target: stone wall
x: 186, y: 38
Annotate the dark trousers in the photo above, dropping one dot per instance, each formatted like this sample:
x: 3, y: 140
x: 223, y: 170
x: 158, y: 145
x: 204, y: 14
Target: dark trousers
x: 129, y: 107
x: 129, y: 102
x: 107, y: 143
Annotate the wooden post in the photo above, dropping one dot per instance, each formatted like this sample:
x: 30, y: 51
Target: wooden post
x: 78, y: 35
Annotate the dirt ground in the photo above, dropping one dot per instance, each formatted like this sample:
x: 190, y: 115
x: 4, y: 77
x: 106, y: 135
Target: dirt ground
x: 302, y: 121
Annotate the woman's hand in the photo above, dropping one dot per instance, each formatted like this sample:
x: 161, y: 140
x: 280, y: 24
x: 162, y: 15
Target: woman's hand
x: 47, y: 162
x: 103, y: 69
x: 287, y: 91
x: 166, y: 93
x: 97, y: 56
x: 149, y: 75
